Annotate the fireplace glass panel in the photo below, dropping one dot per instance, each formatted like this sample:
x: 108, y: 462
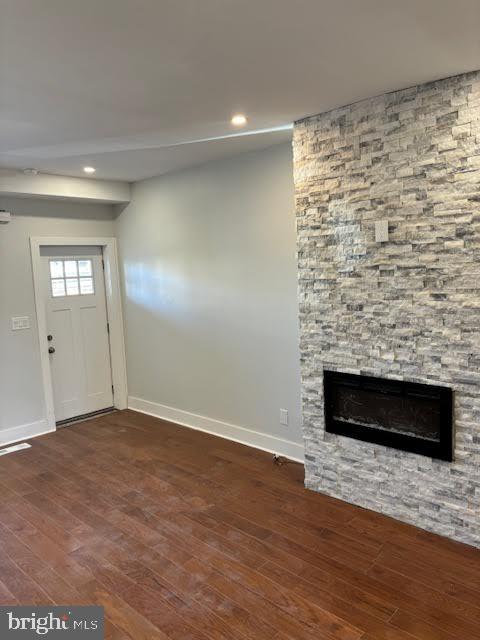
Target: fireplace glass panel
x: 403, y: 413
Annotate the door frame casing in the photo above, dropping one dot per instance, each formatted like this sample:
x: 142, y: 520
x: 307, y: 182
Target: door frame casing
x: 114, y: 315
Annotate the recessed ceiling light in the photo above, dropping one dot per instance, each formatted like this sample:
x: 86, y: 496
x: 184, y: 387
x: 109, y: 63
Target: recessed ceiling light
x: 89, y: 169
x: 239, y: 120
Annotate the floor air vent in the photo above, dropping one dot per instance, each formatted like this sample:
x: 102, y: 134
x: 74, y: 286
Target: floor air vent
x: 14, y: 447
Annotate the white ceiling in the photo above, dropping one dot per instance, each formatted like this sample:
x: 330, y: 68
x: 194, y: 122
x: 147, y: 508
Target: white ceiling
x: 123, y: 84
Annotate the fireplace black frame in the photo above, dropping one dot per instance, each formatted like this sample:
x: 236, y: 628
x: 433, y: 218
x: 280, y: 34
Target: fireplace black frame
x: 441, y: 449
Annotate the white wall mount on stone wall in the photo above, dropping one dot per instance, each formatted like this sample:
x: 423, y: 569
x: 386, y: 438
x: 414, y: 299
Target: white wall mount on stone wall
x: 381, y: 231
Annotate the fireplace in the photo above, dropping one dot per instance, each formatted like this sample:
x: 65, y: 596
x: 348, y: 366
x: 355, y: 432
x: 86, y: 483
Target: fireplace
x: 403, y: 415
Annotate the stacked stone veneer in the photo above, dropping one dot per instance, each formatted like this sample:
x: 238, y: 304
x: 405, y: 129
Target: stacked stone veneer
x: 408, y: 309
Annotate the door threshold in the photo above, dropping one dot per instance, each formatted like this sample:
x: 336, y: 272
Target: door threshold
x: 85, y: 416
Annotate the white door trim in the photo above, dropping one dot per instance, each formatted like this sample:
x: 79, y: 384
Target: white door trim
x: 114, y: 311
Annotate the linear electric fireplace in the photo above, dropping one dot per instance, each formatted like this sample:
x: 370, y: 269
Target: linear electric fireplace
x: 404, y: 415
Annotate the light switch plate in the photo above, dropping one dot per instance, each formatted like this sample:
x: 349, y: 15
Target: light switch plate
x: 381, y: 231
x: 284, y: 417
x: 20, y: 322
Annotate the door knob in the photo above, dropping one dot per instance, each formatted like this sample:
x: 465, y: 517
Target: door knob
x: 49, y: 337
x: 51, y: 349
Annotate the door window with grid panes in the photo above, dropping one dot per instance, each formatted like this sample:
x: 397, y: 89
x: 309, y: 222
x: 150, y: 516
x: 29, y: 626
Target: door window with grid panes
x: 71, y: 277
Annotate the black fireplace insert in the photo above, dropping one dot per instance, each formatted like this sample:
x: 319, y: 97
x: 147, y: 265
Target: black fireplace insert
x: 404, y: 415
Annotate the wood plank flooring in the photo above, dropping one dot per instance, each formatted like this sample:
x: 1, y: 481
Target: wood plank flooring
x: 185, y: 536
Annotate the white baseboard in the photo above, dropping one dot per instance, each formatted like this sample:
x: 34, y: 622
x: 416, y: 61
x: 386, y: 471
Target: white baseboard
x: 24, y: 432
x: 286, y: 448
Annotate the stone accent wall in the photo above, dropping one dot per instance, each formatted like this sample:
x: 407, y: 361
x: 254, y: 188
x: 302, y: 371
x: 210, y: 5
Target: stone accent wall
x: 408, y: 309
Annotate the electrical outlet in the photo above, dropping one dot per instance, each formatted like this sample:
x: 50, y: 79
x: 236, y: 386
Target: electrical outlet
x: 284, y: 417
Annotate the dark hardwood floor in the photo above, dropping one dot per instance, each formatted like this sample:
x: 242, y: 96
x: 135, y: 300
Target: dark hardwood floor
x: 185, y: 536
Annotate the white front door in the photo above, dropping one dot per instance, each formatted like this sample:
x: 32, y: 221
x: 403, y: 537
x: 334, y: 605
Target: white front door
x: 77, y: 330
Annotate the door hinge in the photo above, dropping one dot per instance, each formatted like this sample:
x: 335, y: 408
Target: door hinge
x: 113, y: 390
x: 108, y: 327
x: 103, y: 264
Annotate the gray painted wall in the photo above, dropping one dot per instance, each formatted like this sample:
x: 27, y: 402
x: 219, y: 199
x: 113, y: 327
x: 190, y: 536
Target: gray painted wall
x: 210, y: 292
x: 406, y: 309
x: 21, y: 393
